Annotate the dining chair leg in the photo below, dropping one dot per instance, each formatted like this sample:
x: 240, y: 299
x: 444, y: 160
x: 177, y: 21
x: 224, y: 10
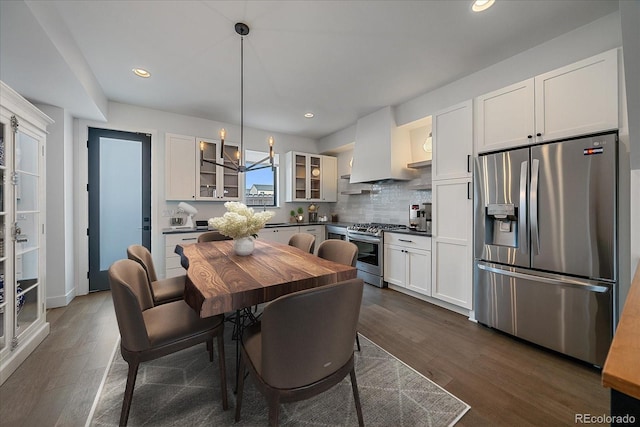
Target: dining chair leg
x: 223, y: 370
x: 128, y: 392
x: 210, y: 348
x: 356, y: 396
x: 274, y: 409
x: 237, y: 336
x: 357, y: 341
x: 239, y: 388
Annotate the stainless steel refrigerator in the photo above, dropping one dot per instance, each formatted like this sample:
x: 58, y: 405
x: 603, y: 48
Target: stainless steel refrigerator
x: 545, y: 244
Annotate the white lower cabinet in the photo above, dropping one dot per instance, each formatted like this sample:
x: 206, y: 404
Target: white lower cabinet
x: 171, y: 258
x: 278, y: 234
x: 452, y: 280
x: 407, y: 262
x: 316, y: 230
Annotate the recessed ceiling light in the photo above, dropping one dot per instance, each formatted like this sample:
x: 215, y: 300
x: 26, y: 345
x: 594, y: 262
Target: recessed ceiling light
x: 480, y: 5
x: 141, y: 72
x: 309, y: 115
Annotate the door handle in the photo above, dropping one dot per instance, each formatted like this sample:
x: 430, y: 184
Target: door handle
x: 522, y: 209
x: 533, y: 214
x: 468, y: 163
x: 469, y: 196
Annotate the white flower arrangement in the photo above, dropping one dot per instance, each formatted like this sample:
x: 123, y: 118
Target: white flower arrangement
x: 240, y: 221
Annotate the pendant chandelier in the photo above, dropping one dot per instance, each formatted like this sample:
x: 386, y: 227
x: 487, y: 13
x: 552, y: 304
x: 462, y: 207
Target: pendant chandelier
x: 238, y: 164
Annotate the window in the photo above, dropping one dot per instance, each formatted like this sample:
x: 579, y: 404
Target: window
x: 261, y: 186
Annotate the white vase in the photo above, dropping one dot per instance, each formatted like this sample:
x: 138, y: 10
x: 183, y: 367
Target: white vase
x: 243, y: 246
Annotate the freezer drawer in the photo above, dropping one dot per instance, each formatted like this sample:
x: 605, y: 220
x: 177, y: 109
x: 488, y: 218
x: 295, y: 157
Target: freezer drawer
x: 573, y: 317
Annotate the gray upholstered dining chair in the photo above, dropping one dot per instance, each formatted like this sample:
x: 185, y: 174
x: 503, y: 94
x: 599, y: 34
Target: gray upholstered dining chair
x: 296, y: 363
x: 212, y: 236
x: 339, y: 251
x: 342, y: 252
x: 303, y: 241
x: 162, y: 291
x: 149, y: 332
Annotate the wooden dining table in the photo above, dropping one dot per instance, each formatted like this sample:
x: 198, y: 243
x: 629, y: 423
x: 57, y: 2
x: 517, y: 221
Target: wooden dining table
x: 219, y: 281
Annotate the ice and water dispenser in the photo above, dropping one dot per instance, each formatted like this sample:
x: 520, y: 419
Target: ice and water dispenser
x: 501, y: 225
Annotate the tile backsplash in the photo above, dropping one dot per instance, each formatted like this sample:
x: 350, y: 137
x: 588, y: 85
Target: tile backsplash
x: 385, y: 202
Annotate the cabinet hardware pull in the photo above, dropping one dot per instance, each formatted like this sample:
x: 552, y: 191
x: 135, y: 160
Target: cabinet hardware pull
x: 468, y: 163
x: 529, y: 136
x: 190, y: 238
x: 538, y: 134
x: 408, y: 241
x: 469, y: 190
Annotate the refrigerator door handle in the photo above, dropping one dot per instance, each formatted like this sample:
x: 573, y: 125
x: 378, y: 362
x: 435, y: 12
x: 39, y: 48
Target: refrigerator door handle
x: 533, y: 214
x: 550, y: 280
x: 522, y: 210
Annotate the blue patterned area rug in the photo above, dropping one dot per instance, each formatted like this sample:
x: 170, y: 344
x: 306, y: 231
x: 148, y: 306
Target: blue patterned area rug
x: 183, y: 389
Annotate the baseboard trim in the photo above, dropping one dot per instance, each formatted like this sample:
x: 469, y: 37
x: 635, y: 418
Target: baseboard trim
x: 61, y: 300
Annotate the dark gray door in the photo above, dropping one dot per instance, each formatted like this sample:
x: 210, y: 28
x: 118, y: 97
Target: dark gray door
x: 573, y: 207
x: 119, y: 198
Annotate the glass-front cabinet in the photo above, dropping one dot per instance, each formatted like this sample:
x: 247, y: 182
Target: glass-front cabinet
x: 26, y: 229
x: 310, y: 177
x: 4, y: 295
x: 216, y: 182
x: 22, y: 250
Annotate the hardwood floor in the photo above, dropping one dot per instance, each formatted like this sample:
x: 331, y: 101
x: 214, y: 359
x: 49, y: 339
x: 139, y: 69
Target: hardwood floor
x: 506, y: 382
x: 57, y: 383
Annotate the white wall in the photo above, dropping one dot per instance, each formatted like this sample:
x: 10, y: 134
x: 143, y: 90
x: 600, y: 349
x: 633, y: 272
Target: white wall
x: 635, y: 213
x: 157, y: 123
x: 630, y: 25
x: 60, y: 282
x: 599, y: 36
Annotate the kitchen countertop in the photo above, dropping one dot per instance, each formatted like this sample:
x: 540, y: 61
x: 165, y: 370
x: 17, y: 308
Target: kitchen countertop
x: 410, y: 232
x: 621, y: 370
x: 170, y: 230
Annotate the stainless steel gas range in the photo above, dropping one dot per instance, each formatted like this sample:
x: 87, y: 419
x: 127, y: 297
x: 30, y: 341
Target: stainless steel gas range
x: 369, y: 239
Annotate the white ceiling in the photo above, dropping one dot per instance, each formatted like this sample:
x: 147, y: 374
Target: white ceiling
x: 338, y: 59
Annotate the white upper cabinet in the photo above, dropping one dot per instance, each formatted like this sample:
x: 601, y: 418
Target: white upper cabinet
x: 453, y: 142
x: 578, y: 99
x: 505, y: 117
x: 180, y: 163
x: 329, y: 181
x: 311, y: 177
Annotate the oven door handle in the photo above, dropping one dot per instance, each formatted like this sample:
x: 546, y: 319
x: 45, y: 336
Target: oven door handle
x: 363, y: 238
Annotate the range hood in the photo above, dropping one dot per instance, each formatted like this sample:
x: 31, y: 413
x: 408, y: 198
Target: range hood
x: 382, y: 150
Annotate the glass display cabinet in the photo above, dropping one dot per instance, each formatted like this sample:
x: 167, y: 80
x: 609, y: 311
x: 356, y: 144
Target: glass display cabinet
x: 22, y: 230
